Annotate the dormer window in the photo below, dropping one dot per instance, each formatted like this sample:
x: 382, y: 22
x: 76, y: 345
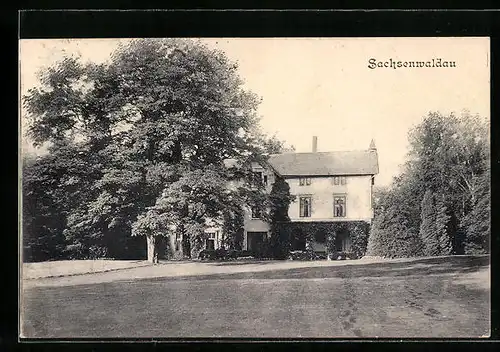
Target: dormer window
x: 304, y: 181
x: 339, y: 180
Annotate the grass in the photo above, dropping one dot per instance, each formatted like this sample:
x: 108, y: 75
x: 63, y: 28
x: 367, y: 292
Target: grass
x: 436, y: 297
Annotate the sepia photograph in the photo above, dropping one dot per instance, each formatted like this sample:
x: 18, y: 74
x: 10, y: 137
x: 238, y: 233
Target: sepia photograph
x: 333, y: 188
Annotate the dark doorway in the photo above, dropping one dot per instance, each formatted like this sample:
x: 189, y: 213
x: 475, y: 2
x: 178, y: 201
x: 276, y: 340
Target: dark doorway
x: 210, y: 245
x: 255, y: 240
x: 298, y: 241
x: 342, y: 242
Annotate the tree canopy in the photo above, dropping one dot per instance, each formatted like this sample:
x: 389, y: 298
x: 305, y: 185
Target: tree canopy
x: 442, y: 197
x: 141, y: 141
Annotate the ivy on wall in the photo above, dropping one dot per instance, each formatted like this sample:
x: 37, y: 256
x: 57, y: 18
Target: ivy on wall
x: 232, y: 229
x: 357, y: 230
x: 279, y: 202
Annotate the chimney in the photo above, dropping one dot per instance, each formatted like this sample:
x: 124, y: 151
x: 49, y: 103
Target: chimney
x: 315, y: 144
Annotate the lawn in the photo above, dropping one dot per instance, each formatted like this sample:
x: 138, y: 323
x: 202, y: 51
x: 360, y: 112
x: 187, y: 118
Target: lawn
x: 436, y: 297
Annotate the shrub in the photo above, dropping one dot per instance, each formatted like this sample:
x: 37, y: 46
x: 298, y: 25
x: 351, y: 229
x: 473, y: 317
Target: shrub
x: 391, y: 238
x: 306, y: 255
x: 232, y: 254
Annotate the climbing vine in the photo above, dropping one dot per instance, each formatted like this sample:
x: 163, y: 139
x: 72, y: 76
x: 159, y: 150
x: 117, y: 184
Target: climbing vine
x: 232, y: 229
x: 279, y: 202
x: 358, y: 232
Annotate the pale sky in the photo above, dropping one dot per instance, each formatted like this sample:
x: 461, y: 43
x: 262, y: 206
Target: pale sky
x: 323, y: 86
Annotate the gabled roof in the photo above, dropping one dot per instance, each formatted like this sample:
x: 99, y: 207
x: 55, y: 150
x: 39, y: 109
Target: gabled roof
x: 356, y: 162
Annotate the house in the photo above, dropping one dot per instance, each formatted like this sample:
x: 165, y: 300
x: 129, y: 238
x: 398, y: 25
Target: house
x: 333, y: 191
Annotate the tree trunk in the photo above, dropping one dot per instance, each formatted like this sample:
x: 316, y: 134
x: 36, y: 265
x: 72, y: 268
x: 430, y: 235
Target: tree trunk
x: 152, y: 250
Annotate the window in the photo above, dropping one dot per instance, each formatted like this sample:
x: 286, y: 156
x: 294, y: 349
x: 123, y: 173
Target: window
x: 304, y: 181
x: 265, y: 180
x: 210, y: 241
x: 177, y: 241
x: 339, y: 180
x: 305, y: 207
x: 339, y: 205
x: 256, y: 212
x: 257, y: 177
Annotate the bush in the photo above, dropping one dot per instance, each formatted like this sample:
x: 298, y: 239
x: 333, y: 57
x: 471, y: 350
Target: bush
x: 306, y: 255
x: 232, y: 254
x: 217, y: 254
x: 343, y: 255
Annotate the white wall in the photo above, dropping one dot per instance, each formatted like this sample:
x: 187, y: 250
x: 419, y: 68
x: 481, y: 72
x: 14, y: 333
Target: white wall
x: 358, y: 192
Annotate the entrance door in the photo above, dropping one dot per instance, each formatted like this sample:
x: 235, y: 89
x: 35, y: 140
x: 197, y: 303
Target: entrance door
x: 342, y: 242
x: 255, y: 240
x: 210, y: 244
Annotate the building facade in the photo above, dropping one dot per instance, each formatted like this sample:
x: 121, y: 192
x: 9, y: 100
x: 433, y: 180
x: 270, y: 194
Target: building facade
x: 331, y: 189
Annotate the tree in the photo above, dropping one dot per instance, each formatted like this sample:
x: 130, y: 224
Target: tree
x: 478, y: 221
x: 279, y: 200
x: 448, y: 157
x: 443, y: 227
x: 449, y: 153
x: 146, y: 122
x: 42, y: 219
x: 391, y: 233
x: 428, y: 231
x: 273, y: 145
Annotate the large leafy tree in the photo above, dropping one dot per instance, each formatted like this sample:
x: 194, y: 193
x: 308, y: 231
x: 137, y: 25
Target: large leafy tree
x: 448, y: 159
x: 151, y: 123
x: 478, y: 221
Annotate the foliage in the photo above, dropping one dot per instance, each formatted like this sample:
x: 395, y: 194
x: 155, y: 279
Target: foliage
x: 232, y: 228
x: 447, y: 158
x: 305, y: 255
x: 391, y: 234
x: 428, y: 226
x: 357, y: 230
x: 359, y: 233
x: 273, y: 145
x: 279, y: 200
x: 443, y: 228
x: 478, y: 221
x: 142, y: 129
x: 43, y: 221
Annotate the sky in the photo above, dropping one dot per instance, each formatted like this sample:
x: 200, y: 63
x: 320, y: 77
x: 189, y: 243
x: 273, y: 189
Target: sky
x: 324, y: 87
